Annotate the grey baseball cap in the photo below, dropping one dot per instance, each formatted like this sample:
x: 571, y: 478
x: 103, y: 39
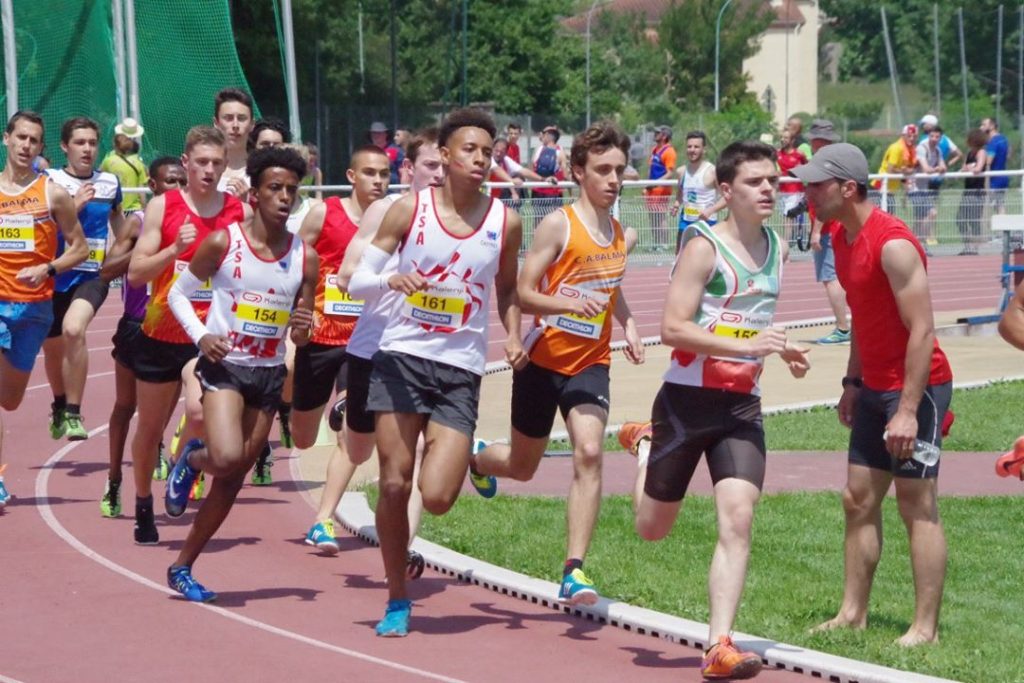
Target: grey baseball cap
x: 841, y: 161
x: 664, y: 130
x: 822, y: 129
x: 378, y: 127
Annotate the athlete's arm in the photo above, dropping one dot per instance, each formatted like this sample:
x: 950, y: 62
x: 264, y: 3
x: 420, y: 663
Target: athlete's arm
x: 312, y: 224
x: 548, y: 242
x: 201, y: 268
x: 1011, y: 324
x: 907, y: 277
x: 505, y: 290
x: 302, y: 315
x: 76, y: 250
x: 634, y: 345
x: 368, y: 225
x: 148, y: 259
x: 685, y: 290
x: 389, y: 235
x: 116, y: 221
x: 116, y: 262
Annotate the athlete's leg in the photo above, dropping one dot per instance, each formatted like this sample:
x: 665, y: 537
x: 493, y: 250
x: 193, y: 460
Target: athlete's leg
x: 194, y: 416
x: 120, y: 417
x: 305, y: 425
x: 396, y: 445
x: 12, y: 391
x: 339, y: 473
x: 586, y: 431
x: 76, y: 355
x: 734, y: 506
x: 445, y: 461
x: 517, y: 460
x: 918, y: 508
x: 862, y: 503
x: 53, y: 363
x: 155, y: 401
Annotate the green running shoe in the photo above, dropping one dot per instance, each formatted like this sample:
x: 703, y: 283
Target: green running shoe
x: 73, y: 427
x: 163, y: 466
x: 836, y: 336
x: 57, y: 425
x: 261, y: 472
x: 577, y: 589
x: 110, y: 504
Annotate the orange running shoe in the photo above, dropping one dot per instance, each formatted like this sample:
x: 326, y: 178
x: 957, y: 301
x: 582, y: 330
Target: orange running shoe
x: 632, y: 433
x: 1012, y: 463
x: 723, y: 660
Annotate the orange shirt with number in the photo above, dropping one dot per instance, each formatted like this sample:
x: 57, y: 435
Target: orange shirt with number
x: 28, y: 237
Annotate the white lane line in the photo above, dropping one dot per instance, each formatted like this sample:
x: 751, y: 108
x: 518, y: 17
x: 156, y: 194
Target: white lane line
x: 5, y: 679
x: 90, y: 350
x: 46, y: 512
x: 46, y: 384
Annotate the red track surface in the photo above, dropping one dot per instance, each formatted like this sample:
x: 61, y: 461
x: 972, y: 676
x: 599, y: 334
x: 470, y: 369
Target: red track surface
x: 81, y: 602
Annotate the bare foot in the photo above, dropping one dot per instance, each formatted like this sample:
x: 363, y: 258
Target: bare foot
x: 914, y: 638
x: 839, y: 622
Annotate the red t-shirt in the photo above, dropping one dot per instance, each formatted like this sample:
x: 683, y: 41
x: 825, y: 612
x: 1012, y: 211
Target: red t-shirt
x: 880, y: 333
x: 787, y: 162
x: 513, y: 151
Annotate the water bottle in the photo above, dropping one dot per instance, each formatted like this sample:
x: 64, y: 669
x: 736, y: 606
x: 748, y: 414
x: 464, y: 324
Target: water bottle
x: 925, y: 453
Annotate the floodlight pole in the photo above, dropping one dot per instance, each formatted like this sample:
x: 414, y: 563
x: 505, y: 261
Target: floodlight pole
x: 718, y: 49
x: 590, y: 14
x: 291, y: 86
x: 133, y: 60
x: 10, y: 56
x: 122, y: 80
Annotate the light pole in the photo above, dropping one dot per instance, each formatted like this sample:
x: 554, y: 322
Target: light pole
x: 718, y: 48
x: 590, y: 13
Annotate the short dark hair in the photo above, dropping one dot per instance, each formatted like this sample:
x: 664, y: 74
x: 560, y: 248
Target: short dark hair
x: 231, y: 95
x: 73, y: 124
x: 512, y: 125
x: 274, y: 157
x: 269, y: 123
x: 160, y: 162
x: 424, y: 136
x: 366, y: 149
x: 738, y: 153
x: 936, y: 129
x: 24, y: 115
x: 467, y: 117
x: 697, y: 134
x: 597, y: 139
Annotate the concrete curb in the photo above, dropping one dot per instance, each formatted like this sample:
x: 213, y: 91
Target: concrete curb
x: 355, y: 514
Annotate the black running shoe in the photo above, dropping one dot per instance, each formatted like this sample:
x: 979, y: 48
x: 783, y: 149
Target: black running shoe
x: 145, y: 527
x: 336, y: 418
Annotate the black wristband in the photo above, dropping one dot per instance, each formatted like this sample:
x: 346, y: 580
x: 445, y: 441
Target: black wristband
x: 50, y: 270
x: 853, y: 382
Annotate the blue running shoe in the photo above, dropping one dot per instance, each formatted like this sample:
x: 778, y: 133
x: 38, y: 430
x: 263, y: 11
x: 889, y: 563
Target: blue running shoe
x: 395, y: 623
x: 180, y: 579
x: 577, y: 589
x: 322, y: 536
x: 179, y: 482
x: 485, y: 484
x: 4, y: 494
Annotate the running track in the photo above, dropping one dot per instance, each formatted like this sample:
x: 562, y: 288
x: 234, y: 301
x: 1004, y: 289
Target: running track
x: 80, y: 602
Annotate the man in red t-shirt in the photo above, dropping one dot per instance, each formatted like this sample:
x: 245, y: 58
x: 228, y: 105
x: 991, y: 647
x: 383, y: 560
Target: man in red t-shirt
x: 896, y: 391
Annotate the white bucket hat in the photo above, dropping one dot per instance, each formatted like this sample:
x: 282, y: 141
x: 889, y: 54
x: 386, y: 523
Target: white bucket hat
x: 129, y: 128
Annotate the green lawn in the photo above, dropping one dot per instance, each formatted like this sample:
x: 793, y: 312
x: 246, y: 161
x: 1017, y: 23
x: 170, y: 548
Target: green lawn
x: 795, y: 578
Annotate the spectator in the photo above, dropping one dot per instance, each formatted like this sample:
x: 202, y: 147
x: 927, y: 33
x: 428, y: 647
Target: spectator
x: 663, y: 166
x: 924, y: 197
x: 950, y: 152
x: 997, y: 150
x: 501, y: 161
x: 268, y: 132
x: 124, y: 162
x: 549, y: 162
x: 379, y: 137
x: 795, y: 127
x: 972, y: 204
x: 512, y: 133
x: 791, y: 190
x: 900, y: 157
x: 315, y: 175
x: 401, y: 140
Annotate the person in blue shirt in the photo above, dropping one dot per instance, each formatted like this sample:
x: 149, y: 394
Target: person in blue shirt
x: 998, y: 151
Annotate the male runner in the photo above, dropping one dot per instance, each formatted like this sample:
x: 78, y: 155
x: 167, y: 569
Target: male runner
x: 268, y: 132
x: 80, y: 292
x: 571, y: 282
x: 33, y: 211
x: 453, y: 244
x: 165, y: 173
x: 718, y: 321
x: 697, y: 195
x: 320, y: 364
x: 174, y: 226
x: 424, y: 161
x: 896, y: 391
x: 263, y: 280
x: 232, y: 115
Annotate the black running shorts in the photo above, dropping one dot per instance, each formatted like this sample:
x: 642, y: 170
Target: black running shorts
x: 260, y: 386
x: 319, y: 369
x: 94, y: 291
x: 538, y: 392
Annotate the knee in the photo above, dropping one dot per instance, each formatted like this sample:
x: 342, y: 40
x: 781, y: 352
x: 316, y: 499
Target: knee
x: 856, y: 505
x: 917, y: 509
x: 73, y: 332
x: 523, y: 469
x: 736, y: 526
x: 394, y: 487
x: 11, y: 401
x: 587, y: 458
x: 650, y: 529
x: 194, y: 413
x: 439, y: 503
x: 303, y: 441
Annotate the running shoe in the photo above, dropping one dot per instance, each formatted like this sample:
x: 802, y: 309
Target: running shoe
x: 4, y: 493
x: 395, y: 623
x: 286, y: 431
x: 163, y: 465
x: 321, y: 535
x: 110, y: 504
x: 73, y: 427
x: 485, y: 484
x: 632, y: 433
x: 198, y: 489
x: 724, y: 660
x: 836, y: 336
x: 145, y: 527
x: 180, y: 579
x: 261, y: 471
x: 177, y: 434
x: 179, y: 482
x: 414, y: 565
x: 577, y: 589
x: 1012, y: 464
x: 57, y: 426
x: 336, y: 418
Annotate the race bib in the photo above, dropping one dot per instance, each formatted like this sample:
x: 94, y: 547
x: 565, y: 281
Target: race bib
x: 202, y: 295
x: 259, y: 314
x: 337, y: 302
x: 17, y: 233
x: 589, y: 328
x: 739, y: 325
x: 691, y: 212
x: 441, y: 305
x: 97, y: 250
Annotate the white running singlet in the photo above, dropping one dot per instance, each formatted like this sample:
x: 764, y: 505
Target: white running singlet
x: 447, y: 322
x: 253, y: 299
x: 696, y: 195
x: 378, y: 309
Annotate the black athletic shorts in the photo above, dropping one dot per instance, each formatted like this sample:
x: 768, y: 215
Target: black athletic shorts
x: 689, y: 422
x: 401, y: 383
x: 94, y: 291
x: 126, y: 341
x: 159, y: 362
x: 260, y: 386
x: 538, y: 392
x: 872, y: 413
x: 319, y: 369
x: 358, y: 417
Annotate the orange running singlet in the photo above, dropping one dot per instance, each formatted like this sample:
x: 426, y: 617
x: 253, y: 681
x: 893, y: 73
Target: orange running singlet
x: 28, y: 237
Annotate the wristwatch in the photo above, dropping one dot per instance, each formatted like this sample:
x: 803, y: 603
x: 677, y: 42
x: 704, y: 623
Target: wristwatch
x: 51, y: 271
x: 853, y: 382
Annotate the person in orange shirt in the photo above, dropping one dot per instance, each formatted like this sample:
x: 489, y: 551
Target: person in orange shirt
x: 570, y: 282
x: 32, y: 210
x: 663, y: 164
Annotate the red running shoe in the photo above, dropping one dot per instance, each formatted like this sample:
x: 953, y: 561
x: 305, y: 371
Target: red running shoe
x: 1011, y: 463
